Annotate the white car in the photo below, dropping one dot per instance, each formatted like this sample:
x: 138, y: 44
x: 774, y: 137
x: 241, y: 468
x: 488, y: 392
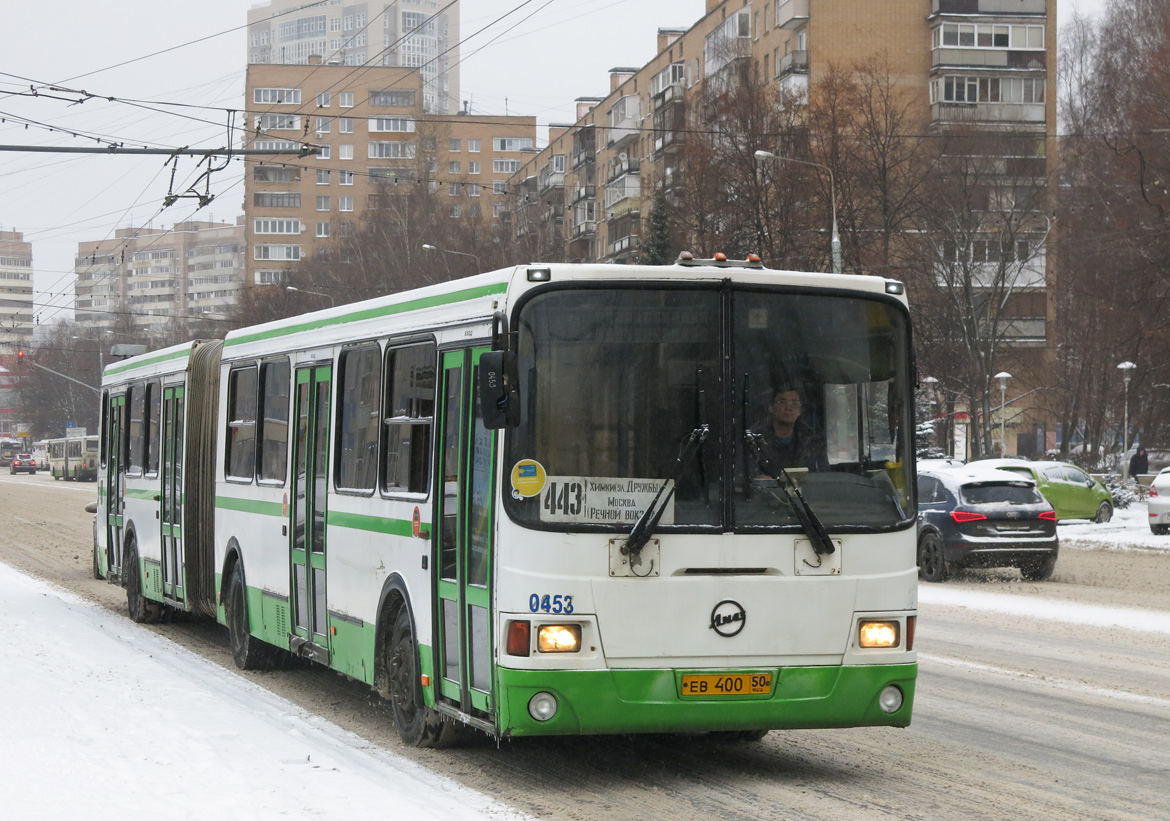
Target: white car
x: 1158, y: 503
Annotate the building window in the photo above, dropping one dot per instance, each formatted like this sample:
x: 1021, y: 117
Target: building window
x: 345, y: 203
x: 323, y: 152
x: 473, y: 168
x: 322, y: 229
x: 278, y: 122
x: 398, y: 99
x: 278, y: 96
x: 499, y: 187
x: 324, y: 125
x: 345, y: 99
x: 473, y: 146
x: 322, y: 203
x: 505, y: 166
x: 384, y: 125
x: 345, y: 152
x: 455, y: 146
x: 345, y: 125
x: 322, y: 176
x: 472, y: 189
x: 391, y: 149
x: 345, y: 177
x: 511, y: 143
x: 263, y: 225
x: 453, y: 167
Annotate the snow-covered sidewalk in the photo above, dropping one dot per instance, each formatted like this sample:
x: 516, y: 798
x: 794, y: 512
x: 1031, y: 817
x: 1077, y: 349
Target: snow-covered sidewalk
x: 107, y: 720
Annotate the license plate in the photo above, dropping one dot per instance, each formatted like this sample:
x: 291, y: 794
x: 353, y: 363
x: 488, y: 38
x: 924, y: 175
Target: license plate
x: 726, y: 684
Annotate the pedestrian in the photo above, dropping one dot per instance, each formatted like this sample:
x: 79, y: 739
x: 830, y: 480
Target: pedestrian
x: 1139, y: 463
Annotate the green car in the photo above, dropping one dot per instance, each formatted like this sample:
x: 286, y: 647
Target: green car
x: 1072, y: 493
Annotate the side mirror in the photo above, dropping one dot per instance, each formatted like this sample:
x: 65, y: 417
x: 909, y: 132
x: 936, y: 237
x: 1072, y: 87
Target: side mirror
x: 499, y: 390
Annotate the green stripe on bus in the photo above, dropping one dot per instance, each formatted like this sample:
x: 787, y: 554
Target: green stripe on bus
x: 250, y: 506
x: 149, y: 494
x: 374, y: 524
x: 373, y: 313
x: 138, y: 363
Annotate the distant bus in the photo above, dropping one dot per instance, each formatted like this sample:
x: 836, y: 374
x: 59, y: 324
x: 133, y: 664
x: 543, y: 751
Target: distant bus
x: 74, y: 458
x: 8, y: 449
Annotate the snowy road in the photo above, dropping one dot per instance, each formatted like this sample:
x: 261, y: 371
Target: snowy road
x: 1035, y: 701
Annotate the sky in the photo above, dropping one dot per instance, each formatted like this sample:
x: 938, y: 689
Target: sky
x: 534, y: 61
x: 71, y: 665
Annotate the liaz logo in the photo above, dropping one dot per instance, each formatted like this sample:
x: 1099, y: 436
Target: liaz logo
x: 728, y: 618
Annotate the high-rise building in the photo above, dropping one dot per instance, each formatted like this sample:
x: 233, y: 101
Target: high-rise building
x: 147, y: 279
x: 16, y: 290
x: 365, y: 134
x: 419, y: 34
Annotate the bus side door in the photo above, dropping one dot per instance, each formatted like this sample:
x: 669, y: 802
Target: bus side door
x: 115, y: 483
x: 466, y: 461
x: 307, y: 512
x: 171, y: 492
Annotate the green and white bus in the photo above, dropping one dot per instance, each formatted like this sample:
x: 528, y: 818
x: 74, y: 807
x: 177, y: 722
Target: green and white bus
x: 73, y: 458
x: 535, y: 501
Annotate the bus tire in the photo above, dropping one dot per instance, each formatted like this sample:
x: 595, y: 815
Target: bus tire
x: 141, y: 609
x: 932, y: 564
x: 248, y: 652
x: 418, y: 725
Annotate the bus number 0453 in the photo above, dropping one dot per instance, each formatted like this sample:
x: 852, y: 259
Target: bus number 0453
x: 550, y: 604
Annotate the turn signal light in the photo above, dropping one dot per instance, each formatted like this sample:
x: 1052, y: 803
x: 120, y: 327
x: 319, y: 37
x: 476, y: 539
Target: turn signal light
x: 961, y: 516
x: 911, y: 623
x: 518, y: 638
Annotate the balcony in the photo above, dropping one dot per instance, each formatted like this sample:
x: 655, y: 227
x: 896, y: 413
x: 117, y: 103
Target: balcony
x: 1018, y: 113
x: 584, y: 192
x: 624, y: 165
x: 795, y: 62
x: 584, y: 229
x: 987, y: 58
x: 550, y: 179
x: 623, y: 195
x: 792, y: 14
x: 988, y: 7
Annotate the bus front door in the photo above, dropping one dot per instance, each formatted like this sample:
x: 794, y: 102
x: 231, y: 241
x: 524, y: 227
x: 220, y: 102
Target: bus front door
x: 171, y: 493
x: 464, y: 490
x: 307, y: 512
x: 115, y: 485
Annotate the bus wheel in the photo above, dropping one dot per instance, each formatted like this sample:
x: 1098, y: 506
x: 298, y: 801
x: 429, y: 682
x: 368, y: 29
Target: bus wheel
x: 142, y: 610
x: 248, y: 651
x: 418, y: 725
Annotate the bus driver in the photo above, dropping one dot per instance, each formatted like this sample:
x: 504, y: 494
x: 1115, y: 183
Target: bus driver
x: 787, y: 441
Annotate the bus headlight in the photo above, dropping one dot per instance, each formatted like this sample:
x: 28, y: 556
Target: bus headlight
x: 877, y: 634
x: 559, y: 638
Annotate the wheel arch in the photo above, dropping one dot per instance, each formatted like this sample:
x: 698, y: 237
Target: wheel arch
x: 394, y: 598
x: 232, y: 556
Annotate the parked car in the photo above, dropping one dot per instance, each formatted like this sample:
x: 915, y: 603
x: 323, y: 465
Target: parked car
x: 975, y: 516
x: 23, y: 463
x: 1073, y: 493
x: 1158, y: 503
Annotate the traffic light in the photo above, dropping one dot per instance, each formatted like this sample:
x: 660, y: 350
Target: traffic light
x: 20, y: 361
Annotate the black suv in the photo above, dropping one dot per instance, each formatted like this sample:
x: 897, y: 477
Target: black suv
x: 972, y: 516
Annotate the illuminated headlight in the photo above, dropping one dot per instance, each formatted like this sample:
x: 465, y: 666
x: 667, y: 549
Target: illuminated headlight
x: 891, y: 699
x: 559, y: 638
x: 542, y: 706
x: 878, y: 634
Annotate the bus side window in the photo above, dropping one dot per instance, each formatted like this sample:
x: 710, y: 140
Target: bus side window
x: 408, y: 416
x: 153, y: 398
x: 135, y: 433
x: 273, y: 420
x: 241, y: 424
x: 358, y: 398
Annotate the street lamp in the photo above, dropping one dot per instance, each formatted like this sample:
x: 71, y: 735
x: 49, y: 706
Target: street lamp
x: 478, y: 264
x: 836, y: 241
x: 1126, y: 369
x: 1003, y: 377
x: 314, y: 293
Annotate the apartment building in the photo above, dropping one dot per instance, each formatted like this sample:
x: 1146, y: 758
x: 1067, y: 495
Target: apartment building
x: 982, y: 67
x: 16, y: 290
x: 147, y: 279
x: 419, y: 34
x: 367, y: 136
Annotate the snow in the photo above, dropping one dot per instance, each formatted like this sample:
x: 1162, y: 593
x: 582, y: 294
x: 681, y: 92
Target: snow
x: 109, y: 716
x: 108, y: 720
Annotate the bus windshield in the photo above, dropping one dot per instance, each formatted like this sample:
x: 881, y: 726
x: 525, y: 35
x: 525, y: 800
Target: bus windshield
x: 614, y: 381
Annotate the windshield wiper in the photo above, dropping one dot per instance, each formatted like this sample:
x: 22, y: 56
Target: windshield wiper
x: 822, y: 543
x: 644, y: 527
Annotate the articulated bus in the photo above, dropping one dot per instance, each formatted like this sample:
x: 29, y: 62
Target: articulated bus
x: 538, y: 501
x: 73, y: 458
